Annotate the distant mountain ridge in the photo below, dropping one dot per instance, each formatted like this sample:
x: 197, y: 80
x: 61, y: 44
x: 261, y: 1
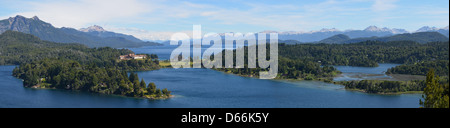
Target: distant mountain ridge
x: 371, y: 31
x: 419, y: 37
x: 94, y: 36
x: 444, y: 31
x: 339, y: 38
x: 99, y: 31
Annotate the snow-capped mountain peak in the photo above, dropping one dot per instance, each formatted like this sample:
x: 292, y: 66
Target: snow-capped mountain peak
x: 93, y: 28
x: 385, y: 29
x: 427, y: 28
x: 372, y: 28
x: 328, y: 30
x: 376, y: 29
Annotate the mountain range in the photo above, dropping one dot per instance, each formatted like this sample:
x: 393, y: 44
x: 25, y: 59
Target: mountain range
x: 371, y: 31
x: 419, y: 37
x: 94, y: 36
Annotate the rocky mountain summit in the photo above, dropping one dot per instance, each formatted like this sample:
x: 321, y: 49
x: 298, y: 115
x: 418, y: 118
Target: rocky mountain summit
x: 94, y: 36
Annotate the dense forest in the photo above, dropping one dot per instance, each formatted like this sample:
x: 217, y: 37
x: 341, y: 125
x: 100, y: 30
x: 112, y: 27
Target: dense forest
x: 367, y: 53
x: 421, y: 68
x: 385, y: 87
x: 301, y: 69
x: 18, y: 48
x: 75, y: 67
x: 393, y: 87
x: 314, y: 61
x: 46, y: 64
x: 71, y: 75
x: 291, y: 69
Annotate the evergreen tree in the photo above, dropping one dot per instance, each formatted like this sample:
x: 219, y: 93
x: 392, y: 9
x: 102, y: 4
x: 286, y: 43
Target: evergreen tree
x: 151, y: 89
x: 142, y: 84
x: 166, y: 92
x: 434, y: 94
x: 158, y: 92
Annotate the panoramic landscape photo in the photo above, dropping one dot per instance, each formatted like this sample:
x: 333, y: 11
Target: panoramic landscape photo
x: 224, y: 54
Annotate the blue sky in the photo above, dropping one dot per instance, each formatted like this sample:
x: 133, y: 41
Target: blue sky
x: 153, y: 19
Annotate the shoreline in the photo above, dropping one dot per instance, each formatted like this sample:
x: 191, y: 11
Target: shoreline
x: 336, y: 83
x: 395, y: 77
x: 385, y: 93
x: 298, y: 79
x: 162, y: 97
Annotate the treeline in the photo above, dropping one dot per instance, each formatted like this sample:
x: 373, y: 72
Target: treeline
x: 392, y: 87
x: 379, y: 86
x: 367, y: 53
x: 18, y: 48
x: 313, y: 61
x: 138, y: 65
x: 76, y: 67
x: 291, y: 69
x: 421, y: 68
x: 302, y: 69
x: 71, y: 75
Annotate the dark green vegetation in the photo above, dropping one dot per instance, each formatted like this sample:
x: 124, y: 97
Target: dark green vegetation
x: 396, y: 87
x: 46, y: 64
x: 288, y: 68
x: 368, y: 53
x: 421, y: 68
x: 416, y: 58
x: 46, y: 31
x: 436, y: 94
x: 384, y: 87
x: 71, y: 75
x: 18, y: 48
x: 291, y: 69
x: 312, y: 61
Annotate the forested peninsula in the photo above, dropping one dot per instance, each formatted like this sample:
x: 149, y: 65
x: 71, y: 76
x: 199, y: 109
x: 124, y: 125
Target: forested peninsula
x: 71, y: 66
x: 316, y: 61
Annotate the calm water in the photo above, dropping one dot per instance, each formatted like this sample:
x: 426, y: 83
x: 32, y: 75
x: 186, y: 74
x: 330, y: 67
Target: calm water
x: 163, y: 52
x: 364, y: 73
x: 205, y: 88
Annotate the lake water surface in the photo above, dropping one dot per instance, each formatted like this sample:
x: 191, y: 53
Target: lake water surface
x: 207, y: 88
x: 364, y: 73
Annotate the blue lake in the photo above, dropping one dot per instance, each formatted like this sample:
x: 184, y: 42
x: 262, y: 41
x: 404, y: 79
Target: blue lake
x: 364, y: 73
x: 207, y: 88
x: 163, y: 52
